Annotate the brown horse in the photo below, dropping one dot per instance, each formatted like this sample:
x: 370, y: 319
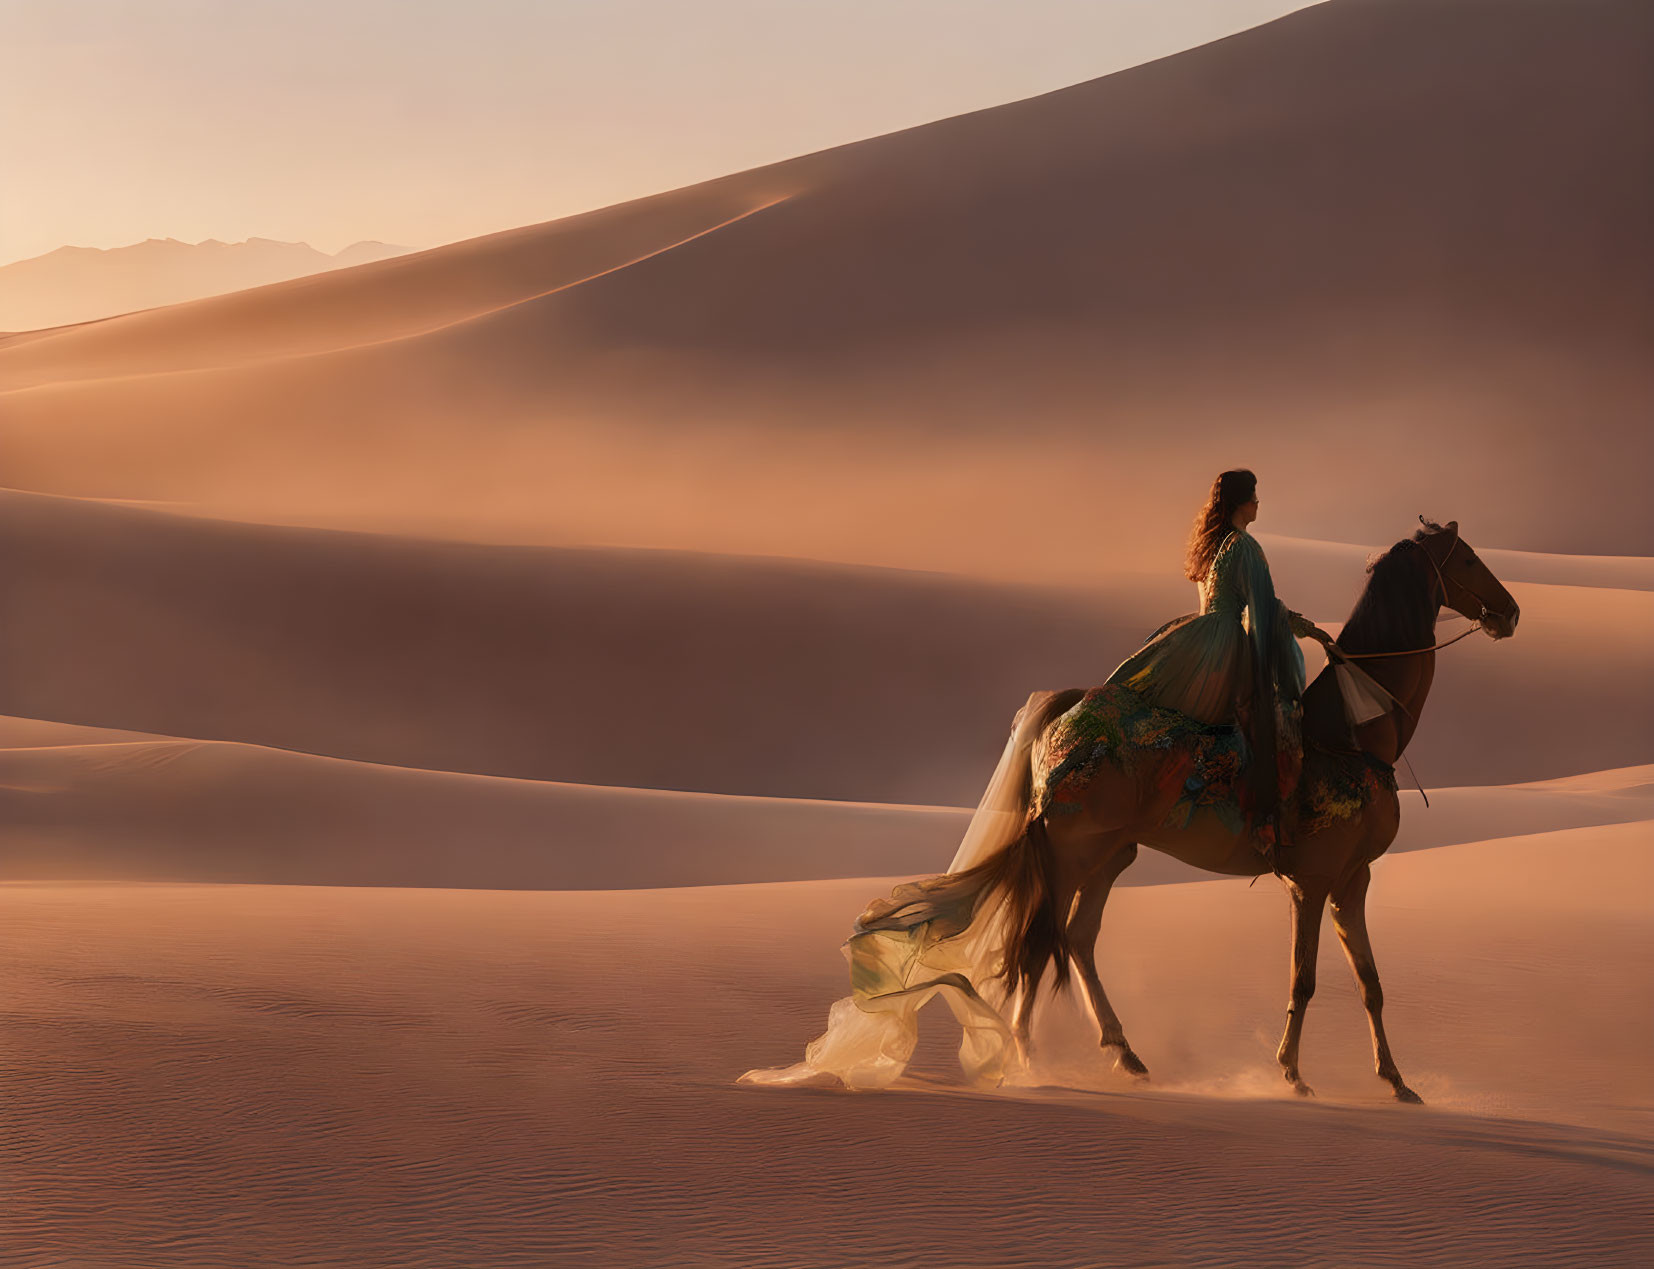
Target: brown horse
x: 1055, y: 879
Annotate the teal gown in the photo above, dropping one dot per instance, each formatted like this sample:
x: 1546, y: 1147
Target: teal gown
x: 1218, y: 665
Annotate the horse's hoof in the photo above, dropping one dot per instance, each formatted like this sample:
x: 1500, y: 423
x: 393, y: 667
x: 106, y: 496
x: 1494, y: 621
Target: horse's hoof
x: 1131, y: 1064
x: 1408, y: 1096
x: 1299, y: 1087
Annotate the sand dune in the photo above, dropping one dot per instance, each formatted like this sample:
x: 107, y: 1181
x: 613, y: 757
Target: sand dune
x: 1325, y: 569
x: 177, y: 810
x: 414, y: 896
x: 667, y: 670
x: 387, y: 300
x: 960, y: 346
x: 1471, y: 814
x: 389, y: 1075
x: 37, y: 733
x: 201, y: 811
x: 604, y: 667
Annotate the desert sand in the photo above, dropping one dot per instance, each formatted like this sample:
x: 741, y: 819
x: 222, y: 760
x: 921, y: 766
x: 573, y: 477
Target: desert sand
x: 211, y: 811
x: 452, y: 709
x: 690, y: 671
x: 307, y: 1075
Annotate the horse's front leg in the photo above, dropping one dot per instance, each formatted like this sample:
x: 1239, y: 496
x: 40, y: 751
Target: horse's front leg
x: 1349, y: 917
x: 1309, y: 898
x: 1083, y: 926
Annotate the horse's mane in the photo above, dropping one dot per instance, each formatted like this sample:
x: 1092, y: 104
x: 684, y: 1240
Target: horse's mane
x: 1395, y: 608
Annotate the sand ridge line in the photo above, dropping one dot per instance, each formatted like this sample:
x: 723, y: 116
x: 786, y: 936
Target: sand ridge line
x: 999, y: 267
x: 201, y: 373
x: 231, y: 811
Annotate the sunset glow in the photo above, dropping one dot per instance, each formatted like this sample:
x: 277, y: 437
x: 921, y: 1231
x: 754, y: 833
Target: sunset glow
x: 420, y: 122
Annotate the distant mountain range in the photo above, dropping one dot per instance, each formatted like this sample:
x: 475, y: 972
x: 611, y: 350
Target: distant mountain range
x: 81, y: 284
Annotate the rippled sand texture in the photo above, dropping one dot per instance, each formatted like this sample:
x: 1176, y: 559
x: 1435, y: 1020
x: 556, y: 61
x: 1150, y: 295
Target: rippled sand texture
x: 269, y: 1075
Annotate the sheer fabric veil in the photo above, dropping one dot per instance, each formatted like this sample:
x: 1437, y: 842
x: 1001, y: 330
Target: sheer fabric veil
x: 999, y: 815
x: 937, y: 937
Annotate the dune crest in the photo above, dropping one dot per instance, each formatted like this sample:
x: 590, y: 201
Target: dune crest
x: 774, y: 677
x: 1259, y: 246
x: 83, y: 284
x: 210, y: 811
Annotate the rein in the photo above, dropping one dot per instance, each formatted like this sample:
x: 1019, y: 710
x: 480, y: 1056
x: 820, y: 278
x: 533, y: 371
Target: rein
x: 1412, y: 652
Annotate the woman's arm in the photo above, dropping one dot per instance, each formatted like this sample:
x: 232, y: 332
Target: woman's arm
x: 1304, y: 628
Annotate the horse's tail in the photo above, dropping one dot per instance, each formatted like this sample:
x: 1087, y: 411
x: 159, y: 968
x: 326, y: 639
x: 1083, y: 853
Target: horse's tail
x: 1035, y: 933
x: 1022, y: 875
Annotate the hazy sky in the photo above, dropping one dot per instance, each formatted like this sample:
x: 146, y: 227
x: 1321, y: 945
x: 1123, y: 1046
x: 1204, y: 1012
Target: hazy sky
x: 420, y: 122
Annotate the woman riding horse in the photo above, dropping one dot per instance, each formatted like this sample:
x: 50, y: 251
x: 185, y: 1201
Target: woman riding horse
x: 1211, y: 667
x: 1087, y: 777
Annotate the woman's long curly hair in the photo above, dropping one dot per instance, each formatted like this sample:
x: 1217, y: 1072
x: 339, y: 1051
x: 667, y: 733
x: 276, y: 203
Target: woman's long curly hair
x: 1230, y: 490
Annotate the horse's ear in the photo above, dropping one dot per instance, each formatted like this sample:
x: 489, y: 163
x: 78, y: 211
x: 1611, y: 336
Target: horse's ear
x: 1453, y: 526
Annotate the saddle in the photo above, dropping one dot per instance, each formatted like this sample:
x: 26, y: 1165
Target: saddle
x: 1206, y: 762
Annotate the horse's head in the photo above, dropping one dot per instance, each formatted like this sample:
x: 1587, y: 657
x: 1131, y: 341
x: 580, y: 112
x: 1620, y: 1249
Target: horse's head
x: 1467, y: 585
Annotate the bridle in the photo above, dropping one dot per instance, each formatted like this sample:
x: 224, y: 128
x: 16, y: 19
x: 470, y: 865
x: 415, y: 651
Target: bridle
x: 1443, y: 579
x: 1441, y: 583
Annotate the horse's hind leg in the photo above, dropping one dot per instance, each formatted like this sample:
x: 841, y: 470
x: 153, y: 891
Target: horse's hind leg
x: 1349, y: 916
x: 1083, y: 925
x: 1070, y: 859
x: 1309, y: 898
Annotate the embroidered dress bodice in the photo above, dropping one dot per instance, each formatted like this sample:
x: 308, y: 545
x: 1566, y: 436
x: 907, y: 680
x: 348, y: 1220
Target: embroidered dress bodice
x: 1223, y: 588
x: 1237, y: 648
